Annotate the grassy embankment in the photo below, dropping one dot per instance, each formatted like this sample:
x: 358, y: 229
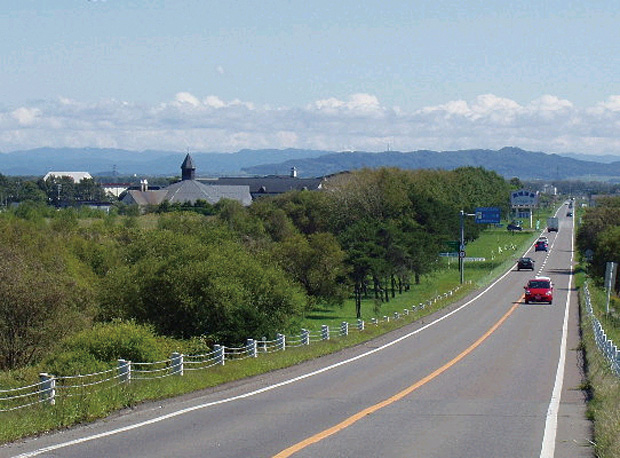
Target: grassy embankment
x: 603, y: 384
x: 98, y: 403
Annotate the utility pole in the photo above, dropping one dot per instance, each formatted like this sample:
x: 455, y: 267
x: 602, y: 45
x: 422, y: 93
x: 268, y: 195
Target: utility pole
x: 462, y: 245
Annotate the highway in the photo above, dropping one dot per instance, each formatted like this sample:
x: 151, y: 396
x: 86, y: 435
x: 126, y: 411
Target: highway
x: 487, y: 377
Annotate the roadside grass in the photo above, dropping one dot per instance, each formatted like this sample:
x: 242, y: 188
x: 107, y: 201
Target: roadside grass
x: 499, y: 247
x: 94, y: 404
x: 611, y: 320
x: 602, y: 383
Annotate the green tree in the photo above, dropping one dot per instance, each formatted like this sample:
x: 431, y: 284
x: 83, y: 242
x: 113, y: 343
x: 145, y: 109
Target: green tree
x: 317, y: 263
x: 37, y: 300
x: 185, y: 287
x: 607, y: 250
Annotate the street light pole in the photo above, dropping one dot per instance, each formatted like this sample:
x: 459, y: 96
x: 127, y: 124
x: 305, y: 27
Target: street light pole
x: 462, y: 246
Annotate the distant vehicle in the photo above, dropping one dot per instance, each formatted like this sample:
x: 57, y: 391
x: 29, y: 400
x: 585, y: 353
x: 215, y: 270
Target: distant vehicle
x: 543, y: 238
x: 552, y: 224
x: 514, y: 226
x: 541, y: 246
x: 569, y: 213
x: 525, y: 263
x: 539, y: 289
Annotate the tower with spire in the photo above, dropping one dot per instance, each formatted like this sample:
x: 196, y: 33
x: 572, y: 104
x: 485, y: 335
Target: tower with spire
x: 188, y: 169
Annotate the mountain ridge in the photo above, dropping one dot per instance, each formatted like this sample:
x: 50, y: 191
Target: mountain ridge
x: 507, y: 161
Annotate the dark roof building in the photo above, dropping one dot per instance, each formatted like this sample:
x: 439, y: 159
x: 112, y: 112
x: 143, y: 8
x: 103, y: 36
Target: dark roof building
x: 189, y: 190
x: 192, y: 190
x: 268, y: 185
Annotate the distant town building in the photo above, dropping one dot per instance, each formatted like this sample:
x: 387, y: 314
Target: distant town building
x: 188, y: 190
x: 75, y: 176
x: 550, y: 190
x: 115, y: 189
x: 269, y: 185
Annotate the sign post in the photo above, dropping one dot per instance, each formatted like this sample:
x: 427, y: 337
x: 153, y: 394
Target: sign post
x: 523, y: 203
x: 483, y: 215
x: 462, y: 245
x: 488, y: 215
x: 610, y: 281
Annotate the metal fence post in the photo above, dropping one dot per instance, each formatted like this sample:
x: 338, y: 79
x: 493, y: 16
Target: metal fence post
x: 360, y: 325
x: 250, y: 348
x: 176, y: 367
x: 48, y: 388
x: 220, y: 353
x: 281, y: 341
x: 305, y: 337
x: 324, y: 332
x: 264, y: 344
x: 124, y: 370
x: 344, y: 328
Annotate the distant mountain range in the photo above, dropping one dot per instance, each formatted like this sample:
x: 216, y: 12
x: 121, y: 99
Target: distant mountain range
x: 509, y: 162
x: 150, y: 162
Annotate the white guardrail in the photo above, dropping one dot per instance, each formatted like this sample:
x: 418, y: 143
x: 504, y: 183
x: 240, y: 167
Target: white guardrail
x: 607, y: 346
x: 51, y: 387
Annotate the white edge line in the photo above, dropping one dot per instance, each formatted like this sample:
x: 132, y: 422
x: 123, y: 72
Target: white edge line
x: 259, y: 391
x: 551, y: 422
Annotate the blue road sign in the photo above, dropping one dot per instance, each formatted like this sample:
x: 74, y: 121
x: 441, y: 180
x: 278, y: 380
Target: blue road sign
x: 488, y: 215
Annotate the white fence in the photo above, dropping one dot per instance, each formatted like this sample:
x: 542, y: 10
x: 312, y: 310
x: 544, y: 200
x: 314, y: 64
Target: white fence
x: 51, y: 387
x: 609, y: 349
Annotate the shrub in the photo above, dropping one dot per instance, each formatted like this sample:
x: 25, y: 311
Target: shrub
x: 105, y: 343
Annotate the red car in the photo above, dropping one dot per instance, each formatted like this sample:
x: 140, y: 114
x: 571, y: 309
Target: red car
x: 539, y: 289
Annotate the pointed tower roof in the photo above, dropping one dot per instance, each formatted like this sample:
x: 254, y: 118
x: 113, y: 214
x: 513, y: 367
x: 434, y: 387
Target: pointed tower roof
x: 188, y: 169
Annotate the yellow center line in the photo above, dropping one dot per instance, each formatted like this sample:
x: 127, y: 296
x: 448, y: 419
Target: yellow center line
x: 398, y: 396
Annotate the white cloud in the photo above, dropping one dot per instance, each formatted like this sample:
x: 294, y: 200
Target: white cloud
x: 211, y: 123
x: 214, y: 101
x: 26, y: 116
x: 611, y: 104
x: 186, y: 97
x: 361, y: 103
x: 550, y: 103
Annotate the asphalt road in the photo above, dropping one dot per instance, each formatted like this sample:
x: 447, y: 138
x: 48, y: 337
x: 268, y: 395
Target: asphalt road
x: 483, y: 381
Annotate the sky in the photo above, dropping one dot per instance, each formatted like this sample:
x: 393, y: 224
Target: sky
x: 330, y: 75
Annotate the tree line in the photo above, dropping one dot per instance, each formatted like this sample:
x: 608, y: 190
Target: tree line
x: 55, y: 190
x: 598, y: 237
x: 227, y: 272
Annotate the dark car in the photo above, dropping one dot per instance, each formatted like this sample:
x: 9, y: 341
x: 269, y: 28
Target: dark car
x: 569, y: 214
x: 514, y: 226
x: 539, y: 289
x: 541, y: 246
x: 525, y: 263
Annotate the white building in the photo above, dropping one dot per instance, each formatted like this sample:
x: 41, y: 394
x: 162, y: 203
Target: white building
x: 75, y: 176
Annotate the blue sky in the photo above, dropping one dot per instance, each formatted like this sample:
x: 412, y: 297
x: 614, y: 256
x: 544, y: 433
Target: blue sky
x: 220, y: 76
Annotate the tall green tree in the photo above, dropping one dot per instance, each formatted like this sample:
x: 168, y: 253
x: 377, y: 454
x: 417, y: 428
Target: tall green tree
x: 185, y: 287
x: 42, y: 288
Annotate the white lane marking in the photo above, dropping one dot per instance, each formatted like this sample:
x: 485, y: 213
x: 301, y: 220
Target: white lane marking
x: 551, y: 422
x: 260, y: 390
